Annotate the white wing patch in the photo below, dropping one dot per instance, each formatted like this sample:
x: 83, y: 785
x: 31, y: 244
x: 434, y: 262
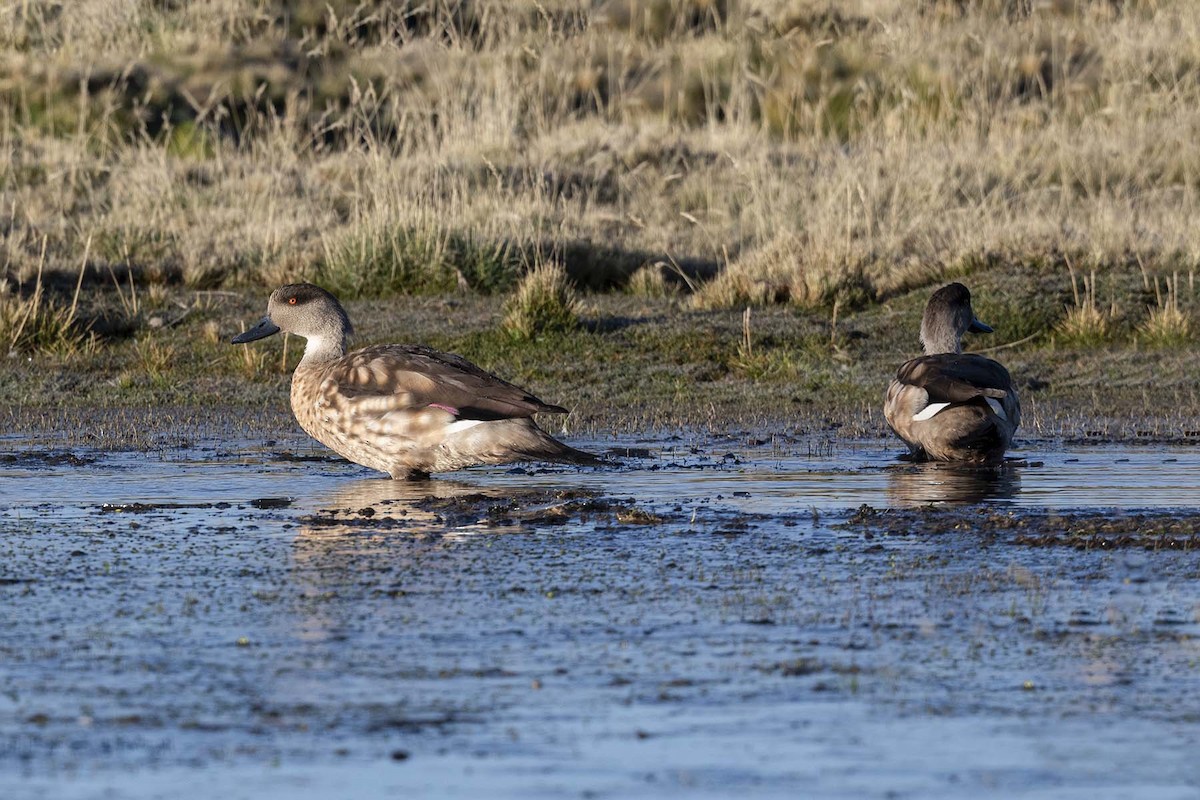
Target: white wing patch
x: 929, y: 411
x: 932, y: 410
x: 462, y: 425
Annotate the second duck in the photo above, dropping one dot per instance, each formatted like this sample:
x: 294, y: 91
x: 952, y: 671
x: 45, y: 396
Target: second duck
x: 948, y: 405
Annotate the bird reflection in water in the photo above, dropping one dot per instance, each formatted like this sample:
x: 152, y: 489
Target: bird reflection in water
x: 437, y: 511
x: 375, y: 547
x: 933, y: 482
x: 436, y: 507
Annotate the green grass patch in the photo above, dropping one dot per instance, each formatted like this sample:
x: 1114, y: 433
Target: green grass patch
x: 190, y: 141
x: 380, y: 261
x: 545, y: 302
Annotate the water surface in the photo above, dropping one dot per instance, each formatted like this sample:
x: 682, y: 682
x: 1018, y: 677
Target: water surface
x: 258, y: 620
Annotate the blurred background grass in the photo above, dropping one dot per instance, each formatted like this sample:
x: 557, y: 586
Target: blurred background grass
x: 796, y: 149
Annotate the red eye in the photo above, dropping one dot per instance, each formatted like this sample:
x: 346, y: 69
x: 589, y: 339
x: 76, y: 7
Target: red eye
x: 291, y: 301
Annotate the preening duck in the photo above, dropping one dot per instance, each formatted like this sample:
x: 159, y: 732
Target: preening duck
x: 406, y: 410
x: 947, y: 405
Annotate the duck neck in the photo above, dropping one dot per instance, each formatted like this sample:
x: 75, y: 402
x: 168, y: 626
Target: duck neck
x: 937, y: 337
x: 323, y: 347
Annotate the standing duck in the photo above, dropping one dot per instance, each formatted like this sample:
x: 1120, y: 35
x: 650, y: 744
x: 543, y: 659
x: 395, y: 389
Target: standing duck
x: 947, y: 405
x: 406, y: 410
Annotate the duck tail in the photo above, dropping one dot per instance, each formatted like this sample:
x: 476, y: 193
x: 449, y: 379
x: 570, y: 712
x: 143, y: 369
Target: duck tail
x: 565, y: 454
x: 545, y: 447
x: 507, y: 440
x: 537, y: 445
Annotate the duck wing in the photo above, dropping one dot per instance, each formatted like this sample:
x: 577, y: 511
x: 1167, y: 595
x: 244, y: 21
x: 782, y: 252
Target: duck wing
x: 951, y: 378
x: 414, y: 376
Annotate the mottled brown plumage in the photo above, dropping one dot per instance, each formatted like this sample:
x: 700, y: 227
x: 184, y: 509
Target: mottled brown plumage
x: 425, y: 376
x: 950, y: 406
x: 405, y: 410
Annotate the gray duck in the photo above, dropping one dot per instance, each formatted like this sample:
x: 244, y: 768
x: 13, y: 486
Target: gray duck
x: 948, y: 405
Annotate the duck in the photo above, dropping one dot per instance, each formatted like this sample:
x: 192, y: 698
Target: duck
x: 948, y: 405
x: 406, y: 410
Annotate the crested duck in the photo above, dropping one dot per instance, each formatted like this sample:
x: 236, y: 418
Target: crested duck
x: 948, y: 405
x: 406, y: 410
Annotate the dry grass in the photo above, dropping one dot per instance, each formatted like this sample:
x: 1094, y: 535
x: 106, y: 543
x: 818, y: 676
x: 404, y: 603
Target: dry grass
x: 756, y: 363
x: 155, y: 360
x: 1084, y: 322
x: 1167, y: 325
x: 801, y: 150
x: 36, y: 323
x: 33, y: 322
x: 655, y: 280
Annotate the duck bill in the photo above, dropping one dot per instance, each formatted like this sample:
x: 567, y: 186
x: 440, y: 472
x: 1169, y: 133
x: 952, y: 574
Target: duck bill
x: 262, y: 330
x: 979, y: 327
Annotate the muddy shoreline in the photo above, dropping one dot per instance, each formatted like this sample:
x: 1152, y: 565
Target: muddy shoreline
x: 667, y: 368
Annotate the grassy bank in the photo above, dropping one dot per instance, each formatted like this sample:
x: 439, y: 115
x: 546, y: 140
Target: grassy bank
x: 630, y: 363
x: 165, y: 164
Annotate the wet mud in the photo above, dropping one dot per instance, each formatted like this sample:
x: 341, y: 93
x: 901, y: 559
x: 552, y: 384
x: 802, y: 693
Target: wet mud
x: 754, y: 615
x: 1079, y: 529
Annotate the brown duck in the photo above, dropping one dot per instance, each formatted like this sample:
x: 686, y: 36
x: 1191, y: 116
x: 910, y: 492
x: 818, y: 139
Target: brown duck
x: 948, y: 405
x: 406, y: 410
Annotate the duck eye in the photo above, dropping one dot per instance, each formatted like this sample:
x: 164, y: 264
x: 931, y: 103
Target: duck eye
x: 291, y: 301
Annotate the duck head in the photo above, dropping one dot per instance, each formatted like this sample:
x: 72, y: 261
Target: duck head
x: 309, y: 312
x: 948, y: 315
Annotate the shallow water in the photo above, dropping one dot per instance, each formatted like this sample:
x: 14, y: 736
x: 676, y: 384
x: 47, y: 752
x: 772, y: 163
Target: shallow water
x: 779, y: 476
x: 257, y: 620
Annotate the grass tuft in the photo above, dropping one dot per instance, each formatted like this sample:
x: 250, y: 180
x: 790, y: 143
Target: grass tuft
x: 1084, y: 323
x: 757, y: 362
x: 787, y: 270
x: 544, y: 302
x: 155, y: 359
x: 378, y: 261
x: 36, y: 323
x: 1167, y: 324
x: 651, y: 281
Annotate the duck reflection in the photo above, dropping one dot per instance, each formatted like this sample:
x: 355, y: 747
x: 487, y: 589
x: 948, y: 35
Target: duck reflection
x: 373, y: 544
x: 933, y: 482
x: 422, y: 509
x: 435, y: 510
